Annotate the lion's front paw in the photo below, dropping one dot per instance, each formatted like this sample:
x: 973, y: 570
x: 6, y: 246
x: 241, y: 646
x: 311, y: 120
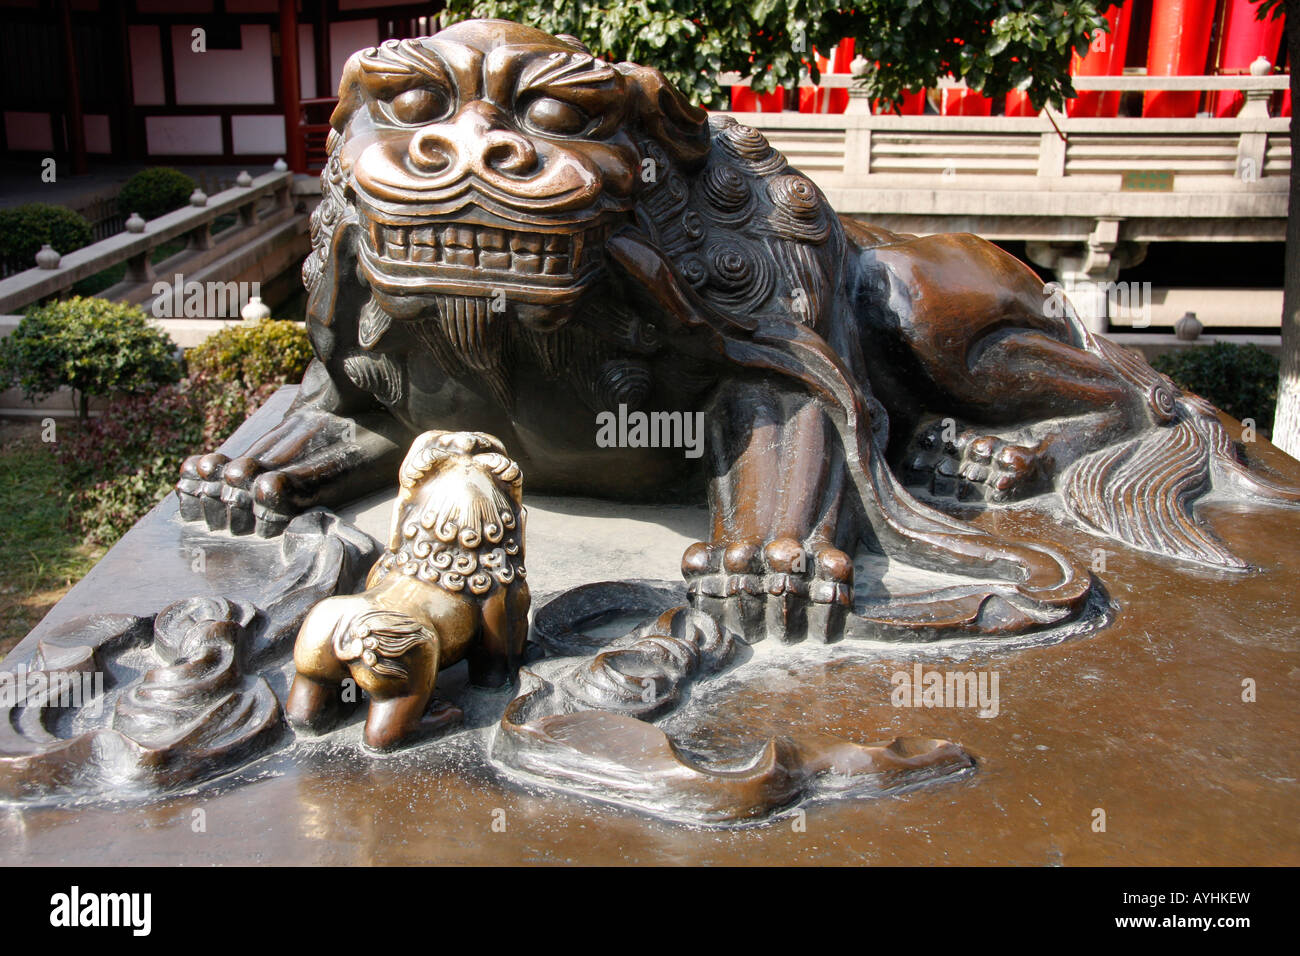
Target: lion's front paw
x: 971, y: 465
x: 238, y: 495
x: 780, y: 588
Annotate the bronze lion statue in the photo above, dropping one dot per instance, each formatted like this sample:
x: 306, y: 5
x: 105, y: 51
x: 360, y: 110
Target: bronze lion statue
x: 449, y: 587
x: 516, y: 235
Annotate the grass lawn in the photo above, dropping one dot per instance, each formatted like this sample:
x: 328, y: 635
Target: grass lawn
x: 39, y: 558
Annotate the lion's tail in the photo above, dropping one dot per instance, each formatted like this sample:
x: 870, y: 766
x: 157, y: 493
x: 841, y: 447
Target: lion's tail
x: 1142, y: 491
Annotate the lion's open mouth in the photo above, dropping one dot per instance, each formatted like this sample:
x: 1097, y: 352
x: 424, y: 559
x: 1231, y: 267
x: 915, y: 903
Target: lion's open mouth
x: 464, y: 257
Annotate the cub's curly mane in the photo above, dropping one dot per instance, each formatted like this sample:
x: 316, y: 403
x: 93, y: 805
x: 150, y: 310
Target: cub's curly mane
x: 459, y: 520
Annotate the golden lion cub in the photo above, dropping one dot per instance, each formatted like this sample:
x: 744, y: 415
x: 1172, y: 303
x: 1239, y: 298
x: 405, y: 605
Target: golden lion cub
x: 449, y: 586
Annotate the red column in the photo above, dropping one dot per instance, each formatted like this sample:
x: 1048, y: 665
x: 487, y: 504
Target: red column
x: 1180, y: 46
x: 295, y: 148
x: 820, y: 100
x: 1244, y: 40
x: 913, y: 104
x: 956, y: 102
x: 1018, y: 104
x: 745, y: 100
x: 1105, y: 58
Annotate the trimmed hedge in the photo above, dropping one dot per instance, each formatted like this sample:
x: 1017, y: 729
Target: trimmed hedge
x: 121, y: 464
x: 24, y: 229
x: 271, y: 352
x: 155, y: 192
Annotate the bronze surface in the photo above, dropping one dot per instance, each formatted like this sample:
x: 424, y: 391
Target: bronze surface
x: 517, y: 237
x: 1144, y: 719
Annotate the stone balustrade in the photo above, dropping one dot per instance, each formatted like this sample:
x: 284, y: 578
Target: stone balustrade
x: 193, y: 223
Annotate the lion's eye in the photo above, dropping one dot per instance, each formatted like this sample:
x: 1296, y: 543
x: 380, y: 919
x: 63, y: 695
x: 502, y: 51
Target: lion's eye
x: 417, y: 106
x: 548, y: 115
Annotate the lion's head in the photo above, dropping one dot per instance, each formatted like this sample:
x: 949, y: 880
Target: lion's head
x: 479, y: 173
x: 495, y: 156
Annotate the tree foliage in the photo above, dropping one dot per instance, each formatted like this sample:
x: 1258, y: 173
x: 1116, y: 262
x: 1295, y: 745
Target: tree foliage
x: 996, y: 45
x: 92, y: 346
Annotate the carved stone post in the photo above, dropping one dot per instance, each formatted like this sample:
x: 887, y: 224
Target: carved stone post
x: 1252, y: 147
x: 201, y: 238
x: 139, y: 268
x: 1089, y: 270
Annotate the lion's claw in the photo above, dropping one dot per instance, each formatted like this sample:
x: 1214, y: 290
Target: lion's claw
x: 970, y: 465
x: 235, y: 495
x: 782, y: 588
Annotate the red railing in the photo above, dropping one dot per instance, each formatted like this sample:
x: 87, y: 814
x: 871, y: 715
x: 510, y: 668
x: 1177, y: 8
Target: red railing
x: 314, y: 129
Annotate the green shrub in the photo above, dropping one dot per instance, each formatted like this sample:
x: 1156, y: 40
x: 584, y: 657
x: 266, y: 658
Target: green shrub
x: 1240, y: 379
x: 155, y: 192
x: 118, y: 466
x: 121, y: 464
x: 93, y: 346
x: 272, y: 352
x: 24, y: 229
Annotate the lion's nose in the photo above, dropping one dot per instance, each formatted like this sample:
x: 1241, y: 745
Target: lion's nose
x: 509, y: 153
x: 432, y: 149
x: 475, y: 139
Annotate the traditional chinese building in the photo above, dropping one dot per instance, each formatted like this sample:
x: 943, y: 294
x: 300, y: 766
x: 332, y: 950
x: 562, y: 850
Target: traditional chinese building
x: 183, y: 81
x: 1178, y: 142
x: 247, y: 81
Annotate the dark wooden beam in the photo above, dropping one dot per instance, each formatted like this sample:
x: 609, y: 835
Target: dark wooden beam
x: 321, y: 39
x: 75, y: 119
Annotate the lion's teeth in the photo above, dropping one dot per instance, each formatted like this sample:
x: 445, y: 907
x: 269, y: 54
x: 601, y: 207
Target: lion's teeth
x: 491, y: 239
x: 525, y: 242
x: 491, y: 249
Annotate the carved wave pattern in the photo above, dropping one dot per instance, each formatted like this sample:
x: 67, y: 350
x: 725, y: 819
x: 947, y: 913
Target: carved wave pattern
x: 589, y: 725
x: 202, y: 711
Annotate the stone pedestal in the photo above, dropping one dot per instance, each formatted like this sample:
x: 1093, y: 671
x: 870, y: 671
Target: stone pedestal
x: 1166, y: 737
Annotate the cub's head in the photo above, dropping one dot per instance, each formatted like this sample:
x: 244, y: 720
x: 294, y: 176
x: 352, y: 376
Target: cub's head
x: 494, y: 156
x: 459, y: 519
